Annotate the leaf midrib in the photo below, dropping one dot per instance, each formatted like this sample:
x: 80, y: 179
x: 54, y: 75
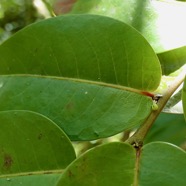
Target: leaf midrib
x: 120, y: 87
x: 58, y: 171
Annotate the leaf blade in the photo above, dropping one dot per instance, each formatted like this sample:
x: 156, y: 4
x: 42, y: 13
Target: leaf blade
x: 169, y: 128
x: 77, y: 47
x: 84, y: 111
x: 98, y: 165
x: 27, y: 143
x: 172, y: 60
x: 157, y: 167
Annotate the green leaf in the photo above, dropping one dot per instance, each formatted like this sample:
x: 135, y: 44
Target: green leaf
x: 110, y: 164
x: 162, y: 164
x: 168, y: 127
x: 151, y: 18
x: 88, y: 47
x: 94, y: 55
x: 172, y: 60
x: 83, y: 110
x: 184, y: 98
x: 31, y: 144
x: 31, y: 180
x: 115, y: 163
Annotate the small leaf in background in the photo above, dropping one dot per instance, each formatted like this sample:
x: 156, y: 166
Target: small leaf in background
x: 184, y: 98
x: 169, y: 128
x: 88, y: 47
x: 174, y: 104
x: 151, y: 18
x: 84, y: 111
x: 172, y: 60
x: 110, y: 164
x: 162, y: 164
x: 31, y: 143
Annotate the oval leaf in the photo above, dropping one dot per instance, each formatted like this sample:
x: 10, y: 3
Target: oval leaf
x: 162, y: 164
x: 111, y: 164
x: 84, y: 111
x: 87, y: 47
x: 28, y: 141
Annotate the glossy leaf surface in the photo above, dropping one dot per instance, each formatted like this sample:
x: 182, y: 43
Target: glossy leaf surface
x: 89, y: 47
x: 84, y: 111
x: 30, y: 142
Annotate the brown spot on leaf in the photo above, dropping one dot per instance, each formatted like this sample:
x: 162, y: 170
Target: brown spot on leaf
x: 70, y: 174
x: 8, y: 161
x: 69, y: 106
x: 40, y: 136
x: 83, y: 166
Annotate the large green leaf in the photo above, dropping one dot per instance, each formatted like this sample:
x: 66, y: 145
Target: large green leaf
x: 31, y: 144
x: 168, y: 127
x: 184, y: 98
x: 89, y: 47
x: 85, y: 111
x: 111, y: 164
x: 94, y: 55
x: 151, y: 18
x: 157, y: 163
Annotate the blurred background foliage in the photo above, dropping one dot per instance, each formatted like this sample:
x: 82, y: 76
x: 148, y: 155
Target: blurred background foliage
x: 16, y: 14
